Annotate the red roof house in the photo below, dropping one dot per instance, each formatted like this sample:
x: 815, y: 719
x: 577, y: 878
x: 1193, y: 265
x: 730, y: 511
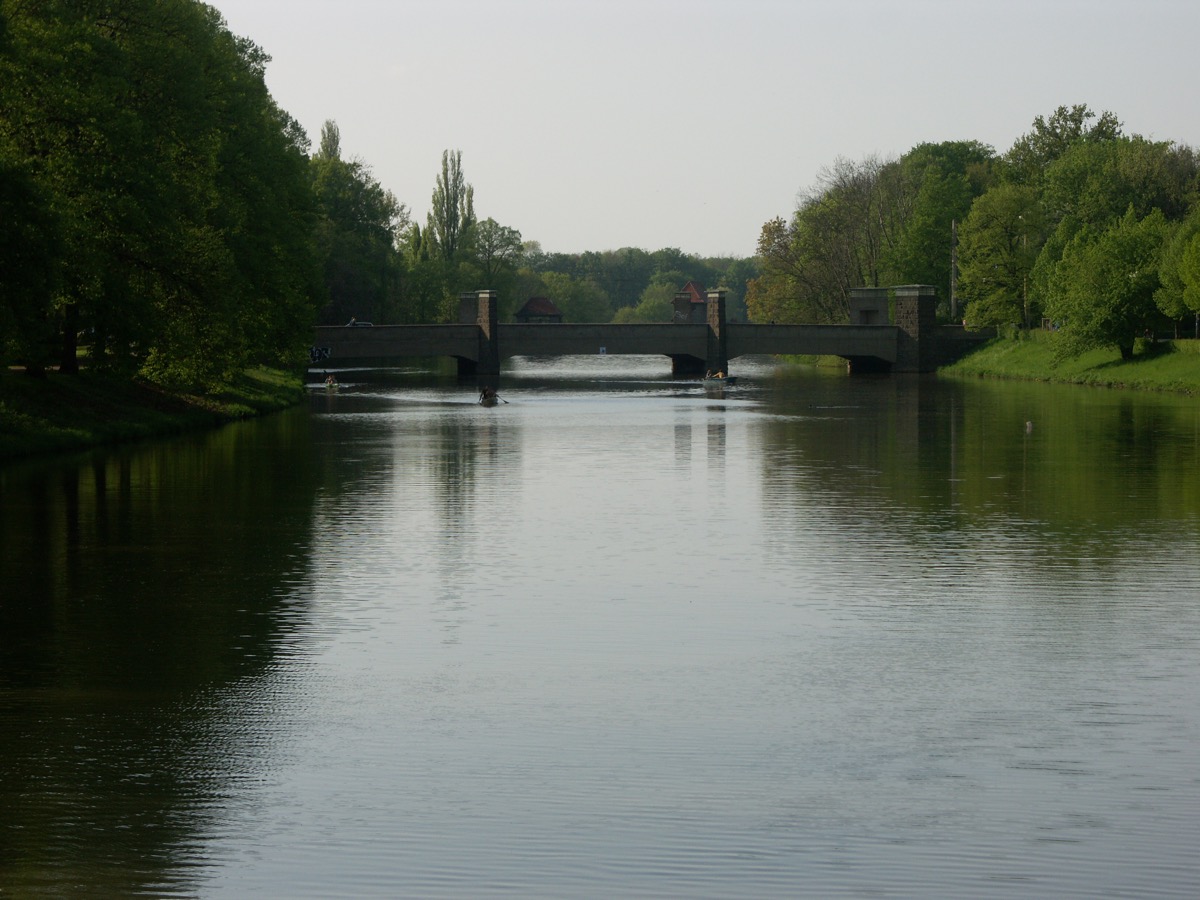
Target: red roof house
x: 539, y: 309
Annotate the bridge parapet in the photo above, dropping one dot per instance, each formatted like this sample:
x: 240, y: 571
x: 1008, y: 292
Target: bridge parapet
x: 338, y: 345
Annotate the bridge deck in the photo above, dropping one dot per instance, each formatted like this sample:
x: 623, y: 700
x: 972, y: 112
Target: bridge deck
x: 382, y: 342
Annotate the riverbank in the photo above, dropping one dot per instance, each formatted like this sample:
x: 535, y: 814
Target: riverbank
x: 73, y: 412
x: 1161, y: 366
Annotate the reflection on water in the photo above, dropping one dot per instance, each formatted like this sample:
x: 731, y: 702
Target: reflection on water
x: 142, y: 587
x: 813, y: 636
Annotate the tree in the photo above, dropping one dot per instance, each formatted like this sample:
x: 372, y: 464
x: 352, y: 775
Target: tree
x: 998, y: 244
x: 452, y: 212
x: 1179, y: 271
x: 1032, y: 153
x: 657, y: 303
x: 449, y: 234
x: 179, y: 187
x: 1104, y: 285
x: 30, y: 263
x: 944, y: 179
x: 841, y: 237
x: 357, y: 234
x: 1095, y: 182
x: 734, y: 280
x: 581, y: 301
x: 497, y: 250
x: 423, y: 287
x: 622, y: 274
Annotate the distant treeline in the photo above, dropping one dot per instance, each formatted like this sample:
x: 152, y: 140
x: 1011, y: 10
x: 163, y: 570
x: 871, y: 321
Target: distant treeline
x: 1092, y: 231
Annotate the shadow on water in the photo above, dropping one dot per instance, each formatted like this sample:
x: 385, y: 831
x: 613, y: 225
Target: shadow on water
x: 149, y: 592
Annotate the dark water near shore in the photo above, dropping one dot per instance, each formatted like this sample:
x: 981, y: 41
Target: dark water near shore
x: 813, y: 636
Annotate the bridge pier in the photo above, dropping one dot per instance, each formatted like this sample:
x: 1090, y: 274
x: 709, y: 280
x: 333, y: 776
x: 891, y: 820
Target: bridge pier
x: 718, y: 336
x: 716, y: 357
x: 916, y: 319
x: 481, y: 308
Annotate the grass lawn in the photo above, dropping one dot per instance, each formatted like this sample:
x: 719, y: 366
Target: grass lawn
x: 1163, y: 366
x: 70, y: 412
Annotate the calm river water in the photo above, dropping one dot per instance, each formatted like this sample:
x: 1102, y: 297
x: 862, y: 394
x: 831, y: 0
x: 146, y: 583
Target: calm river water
x: 814, y: 637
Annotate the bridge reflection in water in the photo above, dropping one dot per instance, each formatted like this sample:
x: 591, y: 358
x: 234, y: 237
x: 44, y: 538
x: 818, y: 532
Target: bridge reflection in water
x: 699, y: 340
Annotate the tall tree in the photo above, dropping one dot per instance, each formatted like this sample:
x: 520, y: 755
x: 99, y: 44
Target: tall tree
x: 1104, y: 286
x: 452, y: 210
x: 180, y: 187
x: 1050, y: 138
x: 357, y: 235
x: 943, y: 180
x: 999, y: 242
x: 1095, y: 182
x: 449, y: 232
x: 30, y: 263
x: 1179, y: 272
x: 843, y: 235
x: 497, y: 250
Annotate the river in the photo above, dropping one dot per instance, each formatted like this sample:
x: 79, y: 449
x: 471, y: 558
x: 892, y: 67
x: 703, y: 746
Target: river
x: 809, y: 636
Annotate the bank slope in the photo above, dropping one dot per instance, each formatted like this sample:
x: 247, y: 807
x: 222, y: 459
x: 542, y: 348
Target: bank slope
x: 1161, y: 366
x: 73, y: 412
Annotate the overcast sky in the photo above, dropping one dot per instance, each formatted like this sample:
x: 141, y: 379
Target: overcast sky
x: 599, y: 124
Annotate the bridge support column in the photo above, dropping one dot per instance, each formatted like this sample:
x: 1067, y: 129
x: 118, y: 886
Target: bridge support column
x: 481, y: 308
x: 916, y: 317
x: 718, y: 350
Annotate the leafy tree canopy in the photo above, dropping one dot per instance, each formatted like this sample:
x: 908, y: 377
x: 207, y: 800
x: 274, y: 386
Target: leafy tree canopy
x: 1179, y: 270
x: 1104, y: 285
x: 357, y: 237
x: 1095, y: 182
x: 581, y: 301
x: 999, y: 242
x: 1050, y: 138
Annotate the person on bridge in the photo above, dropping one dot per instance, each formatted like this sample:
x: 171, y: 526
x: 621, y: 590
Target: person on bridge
x: 353, y: 321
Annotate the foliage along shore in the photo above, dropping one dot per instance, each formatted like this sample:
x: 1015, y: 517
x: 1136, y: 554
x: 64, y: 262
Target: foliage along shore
x: 1172, y: 366
x: 60, y: 413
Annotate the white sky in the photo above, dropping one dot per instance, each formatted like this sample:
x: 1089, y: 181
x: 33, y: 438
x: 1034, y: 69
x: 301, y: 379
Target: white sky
x: 599, y: 124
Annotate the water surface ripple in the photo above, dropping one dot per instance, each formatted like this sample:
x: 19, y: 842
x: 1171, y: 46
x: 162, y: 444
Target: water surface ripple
x: 812, y: 636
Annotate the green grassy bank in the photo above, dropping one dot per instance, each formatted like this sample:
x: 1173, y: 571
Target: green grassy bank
x: 72, y: 412
x: 1161, y: 366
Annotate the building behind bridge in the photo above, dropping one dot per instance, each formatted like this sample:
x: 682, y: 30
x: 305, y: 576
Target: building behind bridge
x: 539, y: 311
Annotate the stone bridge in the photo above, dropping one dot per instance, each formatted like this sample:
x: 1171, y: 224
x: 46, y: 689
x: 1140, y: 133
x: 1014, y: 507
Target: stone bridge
x: 698, y: 340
